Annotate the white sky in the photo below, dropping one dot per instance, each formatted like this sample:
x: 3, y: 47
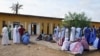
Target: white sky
x: 54, y: 8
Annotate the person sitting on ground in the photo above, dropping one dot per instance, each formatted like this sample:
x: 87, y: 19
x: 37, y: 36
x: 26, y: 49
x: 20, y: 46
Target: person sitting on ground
x: 66, y: 45
x: 49, y: 37
x: 98, y: 35
x: 95, y: 43
x: 99, y: 43
x: 45, y: 37
x: 39, y: 37
x: 76, y: 47
x: 26, y: 38
x: 85, y: 43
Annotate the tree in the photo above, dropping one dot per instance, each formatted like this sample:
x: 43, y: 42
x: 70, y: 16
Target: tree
x: 16, y: 7
x: 76, y: 20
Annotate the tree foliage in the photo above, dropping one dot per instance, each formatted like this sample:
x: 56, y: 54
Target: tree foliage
x: 16, y: 7
x: 76, y: 20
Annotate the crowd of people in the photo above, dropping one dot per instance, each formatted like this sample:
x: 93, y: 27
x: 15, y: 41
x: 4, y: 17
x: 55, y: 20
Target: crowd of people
x: 17, y: 34
x: 76, y: 39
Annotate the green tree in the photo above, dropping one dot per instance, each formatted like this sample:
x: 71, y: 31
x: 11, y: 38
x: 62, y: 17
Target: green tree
x: 16, y: 7
x: 76, y: 20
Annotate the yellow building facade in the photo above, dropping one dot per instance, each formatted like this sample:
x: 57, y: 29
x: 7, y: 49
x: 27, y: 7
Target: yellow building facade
x: 33, y: 24
x: 96, y: 24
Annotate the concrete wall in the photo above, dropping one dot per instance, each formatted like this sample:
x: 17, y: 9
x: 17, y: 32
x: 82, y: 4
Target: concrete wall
x: 26, y: 20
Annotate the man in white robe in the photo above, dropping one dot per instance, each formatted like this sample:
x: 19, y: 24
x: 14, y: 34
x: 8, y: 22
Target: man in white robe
x: 5, y: 38
x: 16, y: 37
x: 78, y: 32
x: 72, y: 34
x: 66, y: 43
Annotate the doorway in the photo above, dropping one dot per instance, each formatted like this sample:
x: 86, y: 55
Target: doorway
x: 16, y: 23
x: 33, y: 28
x: 3, y: 23
x: 48, y: 28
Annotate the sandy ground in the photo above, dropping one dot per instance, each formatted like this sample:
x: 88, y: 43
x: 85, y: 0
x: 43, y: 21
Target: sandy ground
x: 30, y: 50
x: 35, y: 50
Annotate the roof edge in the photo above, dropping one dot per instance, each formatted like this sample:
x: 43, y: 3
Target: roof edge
x: 30, y: 15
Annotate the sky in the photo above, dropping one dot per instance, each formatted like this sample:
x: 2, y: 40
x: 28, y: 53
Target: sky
x: 54, y: 8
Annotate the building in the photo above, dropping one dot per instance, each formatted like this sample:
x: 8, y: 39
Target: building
x: 33, y: 24
x: 96, y: 24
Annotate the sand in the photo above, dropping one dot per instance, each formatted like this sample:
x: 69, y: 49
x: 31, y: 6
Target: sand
x: 35, y: 50
x: 30, y: 50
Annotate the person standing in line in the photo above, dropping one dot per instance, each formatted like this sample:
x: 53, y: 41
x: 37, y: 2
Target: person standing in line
x: 5, y: 38
x: 62, y: 36
x: 16, y: 37
x: 21, y: 32
x: 56, y: 34
x: 9, y: 32
x: 78, y: 32
x: 92, y: 35
x: 87, y: 33
x: 72, y: 34
x: 66, y: 43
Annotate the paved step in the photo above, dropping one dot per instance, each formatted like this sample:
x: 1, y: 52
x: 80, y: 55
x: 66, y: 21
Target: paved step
x: 55, y: 46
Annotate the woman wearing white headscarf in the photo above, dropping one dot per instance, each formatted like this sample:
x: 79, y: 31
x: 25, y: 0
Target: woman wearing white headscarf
x: 76, y: 48
x: 61, y: 39
x: 66, y: 43
x: 72, y: 34
x: 78, y: 32
x: 56, y: 34
x: 95, y: 44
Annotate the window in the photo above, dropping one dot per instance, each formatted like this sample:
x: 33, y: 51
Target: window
x: 48, y: 28
x: 42, y: 28
x: 16, y: 23
x: 3, y: 23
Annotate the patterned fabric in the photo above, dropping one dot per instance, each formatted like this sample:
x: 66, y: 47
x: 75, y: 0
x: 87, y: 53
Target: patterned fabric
x: 84, y: 43
x: 76, y: 48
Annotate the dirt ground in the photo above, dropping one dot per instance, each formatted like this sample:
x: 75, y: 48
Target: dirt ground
x: 35, y: 50
x: 30, y: 50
